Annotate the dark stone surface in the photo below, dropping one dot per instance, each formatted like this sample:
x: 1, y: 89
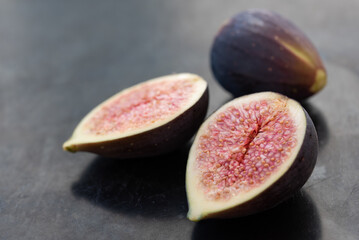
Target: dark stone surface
x: 59, y: 59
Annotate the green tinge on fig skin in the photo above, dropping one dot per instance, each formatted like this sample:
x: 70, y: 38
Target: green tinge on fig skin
x: 258, y: 50
x: 320, y: 81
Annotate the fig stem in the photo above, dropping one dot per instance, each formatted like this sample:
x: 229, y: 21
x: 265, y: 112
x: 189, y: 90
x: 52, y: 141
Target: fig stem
x: 69, y: 147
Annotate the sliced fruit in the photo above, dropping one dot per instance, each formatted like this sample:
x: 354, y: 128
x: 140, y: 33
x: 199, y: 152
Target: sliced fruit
x: 148, y: 119
x: 250, y: 155
x: 259, y: 50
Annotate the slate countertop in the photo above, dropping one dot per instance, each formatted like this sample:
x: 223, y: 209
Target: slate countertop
x: 59, y: 59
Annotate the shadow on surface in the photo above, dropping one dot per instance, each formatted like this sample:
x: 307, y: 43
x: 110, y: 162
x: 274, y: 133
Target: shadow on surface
x: 319, y: 123
x: 296, y: 218
x: 152, y: 187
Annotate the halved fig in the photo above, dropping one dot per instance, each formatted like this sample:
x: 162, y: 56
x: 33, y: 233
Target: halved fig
x: 259, y: 50
x: 250, y: 155
x: 148, y: 119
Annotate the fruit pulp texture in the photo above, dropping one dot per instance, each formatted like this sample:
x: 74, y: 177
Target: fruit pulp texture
x: 243, y: 146
x: 140, y: 107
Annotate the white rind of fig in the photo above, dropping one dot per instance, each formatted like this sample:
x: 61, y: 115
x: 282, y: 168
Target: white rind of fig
x: 156, y: 138
x: 289, y: 178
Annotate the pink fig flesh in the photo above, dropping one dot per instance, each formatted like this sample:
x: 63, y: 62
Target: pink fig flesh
x: 250, y: 155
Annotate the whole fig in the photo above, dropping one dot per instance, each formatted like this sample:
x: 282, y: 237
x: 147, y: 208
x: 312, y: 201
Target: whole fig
x: 259, y: 50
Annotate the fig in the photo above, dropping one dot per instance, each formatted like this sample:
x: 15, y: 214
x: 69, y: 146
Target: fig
x: 148, y: 119
x: 259, y: 50
x: 250, y: 155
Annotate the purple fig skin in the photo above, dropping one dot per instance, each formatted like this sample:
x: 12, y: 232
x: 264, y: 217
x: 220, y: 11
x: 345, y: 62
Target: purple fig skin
x: 258, y: 50
x: 291, y: 181
x: 157, y: 141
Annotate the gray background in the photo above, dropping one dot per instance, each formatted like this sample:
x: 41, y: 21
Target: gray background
x: 59, y: 59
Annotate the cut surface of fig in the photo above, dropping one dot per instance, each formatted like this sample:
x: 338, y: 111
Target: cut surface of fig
x: 259, y: 50
x: 142, y: 107
x: 245, y: 156
x: 144, y: 116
